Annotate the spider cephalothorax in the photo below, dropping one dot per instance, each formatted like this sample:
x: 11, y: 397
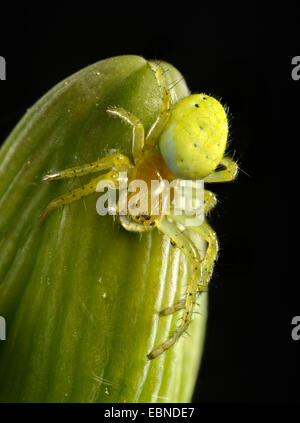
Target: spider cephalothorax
x: 187, y: 141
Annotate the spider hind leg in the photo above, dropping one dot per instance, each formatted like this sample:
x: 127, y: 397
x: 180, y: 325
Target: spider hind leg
x: 206, y: 232
x: 188, y: 248
x: 209, y: 202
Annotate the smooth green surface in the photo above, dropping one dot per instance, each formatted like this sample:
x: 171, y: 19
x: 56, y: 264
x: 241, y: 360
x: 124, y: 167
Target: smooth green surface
x: 80, y: 294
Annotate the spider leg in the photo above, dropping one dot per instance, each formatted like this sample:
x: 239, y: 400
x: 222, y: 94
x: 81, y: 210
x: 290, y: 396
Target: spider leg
x: 131, y: 226
x: 78, y: 193
x: 210, y: 201
x: 138, y: 135
x: 188, y: 248
x: 114, y: 161
x: 206, y: 232
x: 138, y: 139
x: 206, y: 270
x: 166, y: 104
x: 226, y: 175
x: 180, y: 305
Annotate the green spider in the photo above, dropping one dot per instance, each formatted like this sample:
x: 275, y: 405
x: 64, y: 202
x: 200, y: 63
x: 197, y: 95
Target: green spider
x: 187, y: 141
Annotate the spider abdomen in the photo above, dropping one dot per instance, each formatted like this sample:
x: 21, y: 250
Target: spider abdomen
x: 194, y: 139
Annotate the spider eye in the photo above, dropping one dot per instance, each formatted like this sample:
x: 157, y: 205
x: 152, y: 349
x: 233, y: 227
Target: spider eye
x: 194, y: 139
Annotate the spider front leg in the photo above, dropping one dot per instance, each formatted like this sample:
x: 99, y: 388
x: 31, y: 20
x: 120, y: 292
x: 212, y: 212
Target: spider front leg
x: 189, y: 249
x: 138, y: 136
x: 166, y: 104
x: 138, y: 133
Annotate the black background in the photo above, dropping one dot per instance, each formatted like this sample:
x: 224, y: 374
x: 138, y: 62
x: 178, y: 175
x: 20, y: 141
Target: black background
x: 232, y: 53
